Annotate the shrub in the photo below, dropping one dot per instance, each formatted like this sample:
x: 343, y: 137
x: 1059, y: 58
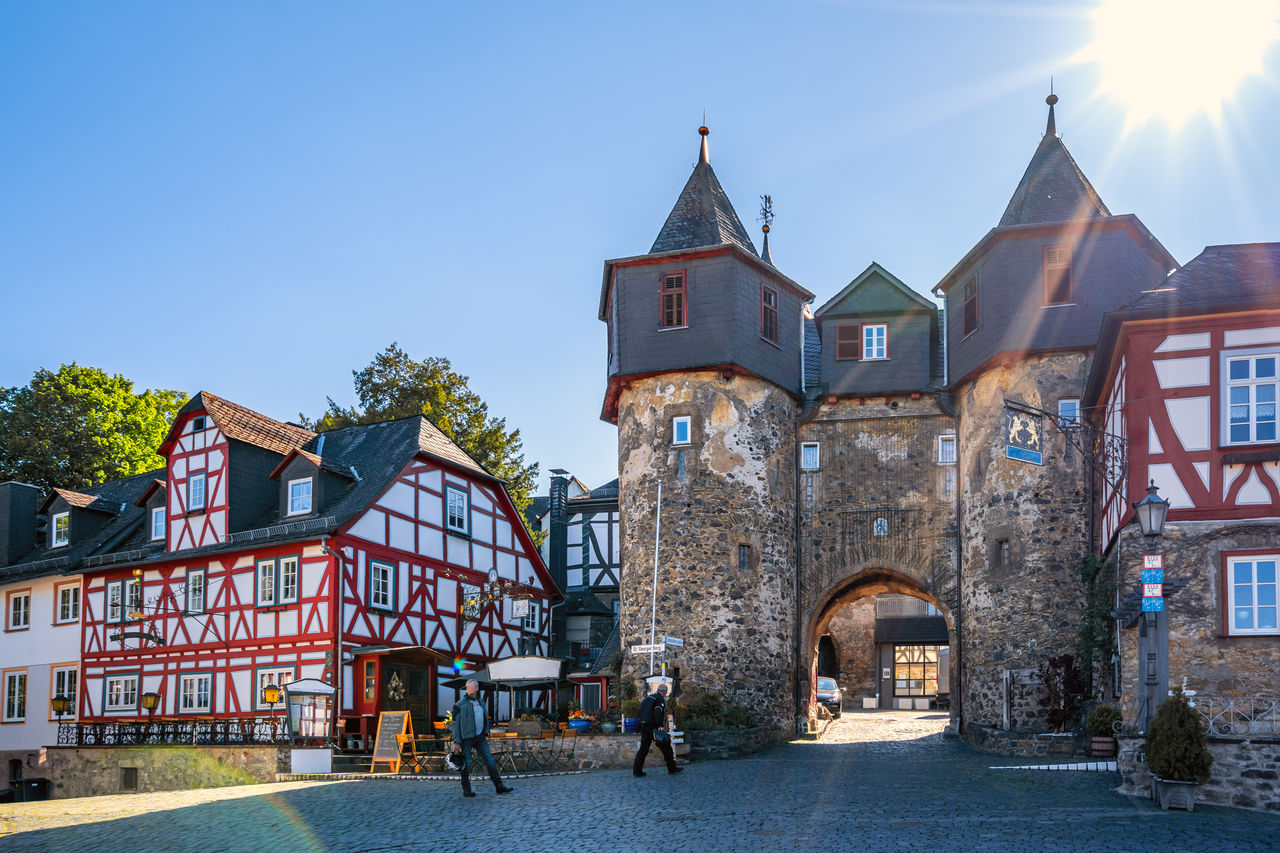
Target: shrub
x: 1177, y: 747
x: 699, y: 723
x: 1065, y: 688
x: 631, y: 708
x: 1102, y: 721
x: 710, y: 705
x: 738, y: 717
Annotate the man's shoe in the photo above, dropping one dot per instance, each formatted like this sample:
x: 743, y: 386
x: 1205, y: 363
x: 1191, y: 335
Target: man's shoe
x: 637, y: 772
x: 468, y: 793
x: 503, y: 789
x: 676, y: 770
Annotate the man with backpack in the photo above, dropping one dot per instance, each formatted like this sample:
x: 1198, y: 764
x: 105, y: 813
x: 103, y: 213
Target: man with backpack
x: 653, y: 729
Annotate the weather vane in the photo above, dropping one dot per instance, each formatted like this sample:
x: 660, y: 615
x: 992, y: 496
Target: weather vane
x: 766, y: 211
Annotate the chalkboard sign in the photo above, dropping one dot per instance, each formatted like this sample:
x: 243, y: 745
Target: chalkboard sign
x: 385, y: 746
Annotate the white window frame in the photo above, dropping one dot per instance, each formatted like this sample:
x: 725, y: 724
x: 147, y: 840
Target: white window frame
x: 287, y: 581
x: 58, y: 685
x: 67, y: 602
x: 195, y: 693
x: 943, y: 442
x: 60, y: 524
x: 875, y: 341
x: 595, y: 704
x: 679, y: 421
x: 124, y: 686
x: 296, y: 504
x: 157, y: 523
x: 533, y: 619
x: 1252, y: 384
x: 132, y: 598
x: 264, y: 580
x: 806, y: 463
x: 114, y: 610
x: 382, y: 585
x: 200, y: 478
x: 1231, y: 589
x: 15, y: 695
x: 277, y: 675
x: 1072, y: 403
x: 194, y: 602
x: 457, y: 502
x: 18, y: 611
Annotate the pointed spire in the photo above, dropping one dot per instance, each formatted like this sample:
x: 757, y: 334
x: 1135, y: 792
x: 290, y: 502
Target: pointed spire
x: 766, y: 218
x: 1051, y: 129
x: 764, y: 254
x: 703, y: 215
x: 703, y: 157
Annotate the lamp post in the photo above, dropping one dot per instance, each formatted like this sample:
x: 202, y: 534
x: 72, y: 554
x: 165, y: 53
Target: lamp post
x: 271, y: 695
x: 1153, y: 637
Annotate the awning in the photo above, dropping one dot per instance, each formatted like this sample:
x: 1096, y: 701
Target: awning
x: 438, y: 657
x: 517, y: 671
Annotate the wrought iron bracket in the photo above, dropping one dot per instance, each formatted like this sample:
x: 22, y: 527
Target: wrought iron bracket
x: 1106, y: 452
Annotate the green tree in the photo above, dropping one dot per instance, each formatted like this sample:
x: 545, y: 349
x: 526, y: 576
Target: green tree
x: 80, y: 427
x: 396, y: 386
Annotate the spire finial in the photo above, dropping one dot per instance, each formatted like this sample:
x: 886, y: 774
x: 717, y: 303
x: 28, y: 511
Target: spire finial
x: 703, y: 157
x: 766, y: 217
x: 1051, y: 128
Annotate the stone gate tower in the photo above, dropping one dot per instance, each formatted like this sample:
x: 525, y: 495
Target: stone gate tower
x: 704, y: 386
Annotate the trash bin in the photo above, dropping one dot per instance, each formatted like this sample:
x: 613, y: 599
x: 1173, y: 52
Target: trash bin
x: 30, y: 790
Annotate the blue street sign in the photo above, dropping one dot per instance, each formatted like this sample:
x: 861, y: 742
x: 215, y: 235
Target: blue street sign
x: 1152, y: 605
x: 1153, y: 575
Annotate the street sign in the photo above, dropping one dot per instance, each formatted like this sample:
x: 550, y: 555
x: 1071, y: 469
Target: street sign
x: 647, y: 649
x: 1152, y: 605
x: 1153, y: 575
x: 673, y: 641
x: 1153, y: 561
x: 1153, y: 590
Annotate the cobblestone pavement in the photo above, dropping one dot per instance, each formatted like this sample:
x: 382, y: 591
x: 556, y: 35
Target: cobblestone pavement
x: 876, y: 780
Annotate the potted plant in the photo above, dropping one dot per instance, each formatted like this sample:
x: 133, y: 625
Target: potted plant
x: 529, y: 725
x: 631, y: 715
x: 580, y: 720
x: 1177, y: 753
x: 1103, y: 722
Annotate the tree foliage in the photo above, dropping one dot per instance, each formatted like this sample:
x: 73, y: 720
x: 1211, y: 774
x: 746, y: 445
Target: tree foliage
x: 1064, y: 691
x: 396, y: 386
x: 1095, y: 635
x: 1177, y: 746
x: 81, y: 426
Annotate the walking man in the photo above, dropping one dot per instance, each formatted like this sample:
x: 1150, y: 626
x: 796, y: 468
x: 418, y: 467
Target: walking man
x: 653, y: 729
x: 471, y: 726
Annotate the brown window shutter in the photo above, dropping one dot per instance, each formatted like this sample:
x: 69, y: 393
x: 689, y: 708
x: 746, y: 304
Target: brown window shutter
x: 849, y: 342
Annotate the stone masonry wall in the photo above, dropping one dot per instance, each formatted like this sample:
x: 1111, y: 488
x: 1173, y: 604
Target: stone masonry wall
x: 94, y: 771
x: 1245, y: 774
x: 1018, y: 614
x: 734, y: 485
x: 853, y: 632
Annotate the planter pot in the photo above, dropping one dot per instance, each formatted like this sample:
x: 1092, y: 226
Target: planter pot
x: 580, y: 726
x: 1102, y: 746
x: 1173, y: 794
x: 608, y: 728
x: 528, y: 728
x: 631, y: 725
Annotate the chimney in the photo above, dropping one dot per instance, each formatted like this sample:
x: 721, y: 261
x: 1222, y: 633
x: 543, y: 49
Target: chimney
x: 559, y: 533
x: 18, y: 505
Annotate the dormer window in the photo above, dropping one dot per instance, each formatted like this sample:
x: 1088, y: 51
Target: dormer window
x: 455, y: 510
x: 195, y: 493
x: 61, y: 529
x: 157, y: 523
x: 875, y: 342
x: 300, y: 496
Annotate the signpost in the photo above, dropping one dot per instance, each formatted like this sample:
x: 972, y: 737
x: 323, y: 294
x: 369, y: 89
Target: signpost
x: 648, y: 649
x: 673, y: 641
x: 1152, y: 583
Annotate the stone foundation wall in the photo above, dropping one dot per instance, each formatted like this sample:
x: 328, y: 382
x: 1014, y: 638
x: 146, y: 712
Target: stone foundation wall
x: 1245, y: 774
x: 1025, y: 744
x: 853, y: 633
x: 93, y: 771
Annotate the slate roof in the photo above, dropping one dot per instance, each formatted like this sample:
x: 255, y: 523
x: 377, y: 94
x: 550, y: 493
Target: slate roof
x: 80, y: 500
x: 812, y: 352
x: 612, y: 645
x: 243, y: 424
x: 609, y: 491
x: 1053, y: 189
x: 703, y: 215
x: 1219, y: 278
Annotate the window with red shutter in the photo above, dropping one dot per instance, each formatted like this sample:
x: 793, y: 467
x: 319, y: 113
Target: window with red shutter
x: 1057, y: 276
x: 848, y: 342
x: 672, y: 301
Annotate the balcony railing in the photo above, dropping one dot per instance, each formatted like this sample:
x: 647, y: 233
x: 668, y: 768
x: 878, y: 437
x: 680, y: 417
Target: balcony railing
x: 1224, y: 716
x: 247, y: 730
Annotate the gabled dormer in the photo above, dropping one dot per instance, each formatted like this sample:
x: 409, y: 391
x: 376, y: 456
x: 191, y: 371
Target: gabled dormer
x: 878, y: 337
x: 309, y: 483
x: 1043, y: 278
x: 155, y: 503
x: 75, y: 516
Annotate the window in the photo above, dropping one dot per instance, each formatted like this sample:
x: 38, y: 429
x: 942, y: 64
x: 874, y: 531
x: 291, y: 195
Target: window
x: 121, y: 693
x: 455, y: 510
x: 769, y: 314
x: 970, y: 311
x: 915, y: 670
x: 1251, y: 594
x: 880, y: 527
x: 848, y: 342
x: 266, y: 582
x: 809, y: 456
x: 115, y: 602
x: 382, y: 585
x: 19, y: 610
x: 195, y: 693
x: 197, y: 423
x: 157, y: 523
x: 672, y: 301
x: 1069, y: 410
x: 133, y: 599
x: 68, y: 603
x: 195, y: 591
x: 370, y: 681
x: 63, y: 684
x: 590, y: 697
x: 300, y: 496
x: 681, y: 429
x: 744, y: 558
x: 533, y: 620
x: 946, y: 450
x: 15, y: 695
x: 875, y: 341
x: 1003, y: 554
x: 61, y: 529
x: 1057, y: 275
x: 948, y: 482
x: 279, y: 676
x: 288, y: 584
x: 195, y: 493
x: 1251, y: 398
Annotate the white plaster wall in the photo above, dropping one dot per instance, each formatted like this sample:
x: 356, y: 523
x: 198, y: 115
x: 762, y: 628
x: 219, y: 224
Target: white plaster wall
x: 37, y: 648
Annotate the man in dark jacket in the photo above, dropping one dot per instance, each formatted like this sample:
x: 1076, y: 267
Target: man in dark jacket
x: 471, y: 726
x: 653, y: 728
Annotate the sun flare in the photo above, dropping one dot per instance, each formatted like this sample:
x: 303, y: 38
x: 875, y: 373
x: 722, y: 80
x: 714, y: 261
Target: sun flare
x: 1174, y: 59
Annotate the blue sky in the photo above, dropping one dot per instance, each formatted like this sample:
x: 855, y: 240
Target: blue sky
x: 255, y: 198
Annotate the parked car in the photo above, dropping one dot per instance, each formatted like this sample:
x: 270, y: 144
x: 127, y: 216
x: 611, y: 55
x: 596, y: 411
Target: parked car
x: 829, y: 695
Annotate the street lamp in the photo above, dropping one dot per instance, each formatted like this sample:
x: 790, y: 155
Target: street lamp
x: 1153, y: 640
x: 61, y: 705
x: 1151, y: 512
x: 271, y: 695
x: 151, y: 701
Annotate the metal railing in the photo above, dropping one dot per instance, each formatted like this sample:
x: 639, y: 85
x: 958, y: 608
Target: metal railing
x: 248, y: 730
x: 1224, y: 716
